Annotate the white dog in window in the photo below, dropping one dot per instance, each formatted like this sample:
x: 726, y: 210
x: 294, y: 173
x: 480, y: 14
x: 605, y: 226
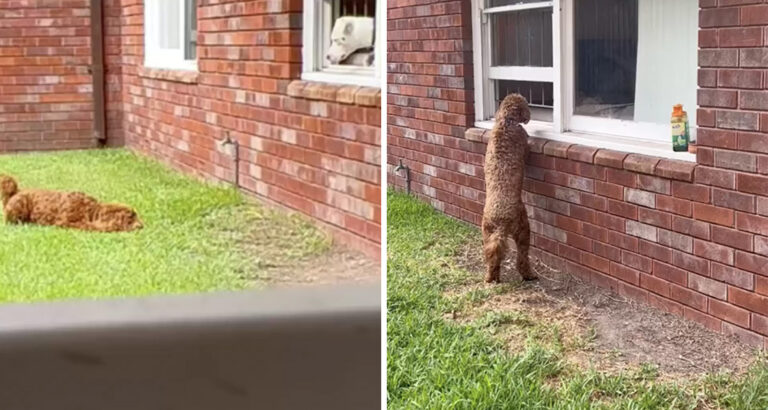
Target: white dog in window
x: 352, y: 41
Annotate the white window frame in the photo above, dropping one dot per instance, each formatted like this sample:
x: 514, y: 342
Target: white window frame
x: 164, y: 58
x: 622, y: 135
x: 317, y: 33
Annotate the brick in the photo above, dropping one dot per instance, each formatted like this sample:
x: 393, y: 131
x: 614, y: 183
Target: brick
x: 738, y: 120
x: 713, y: 214
x: 754, y: 184
x: 619, y: 177
x: 761, y: 245
x: 748, y: 300
x: 609, y: 190
x: 607, y: 251
x: 655, y: 218
x: 557, y: 149
x: 759, y: 324
x: 719, y: 58
x: 729, y: 313
x: 751, y: 262
x: 676, y: 240
x: 698, y: 193
x: 745, y: 336
x: 752, y: 223
x: 733, y: 238
x: 688, y: 297
x: 733, y: 276
x: 691, y: 227
x: 690, y: 263
x: 654, y: 184
x: 754, y: 15
x: 713, y: 251
x: 595, y: 262
x: 745, y: 79
x: 610, y: 158
x: 741, y: 161
x: 727, y: 139
x: 715, y: 177
x: 674, y: 205
x: 705, y: 320
x: 741, y: 37
x: 641, y: 163
x: 753, y: 142
x: 582, y: 153
x: 673, y: 169
x: 643, y: 198
x: 753, y: 57
x: 625, y: 274
x: 655, y: 251
x: 655, y: 285
x: 636, y: 261
x: 641, y: 230
x: 719, y: 17
x: 717, y: 98
x: 707, y: 286
x: 670, y: 273
x: 733, y: 200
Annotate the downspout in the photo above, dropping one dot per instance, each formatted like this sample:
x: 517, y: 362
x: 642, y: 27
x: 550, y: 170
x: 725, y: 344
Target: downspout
x: 97, y: 72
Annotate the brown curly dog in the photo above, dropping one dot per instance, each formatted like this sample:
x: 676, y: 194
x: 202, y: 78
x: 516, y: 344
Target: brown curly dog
x: 64, y: 209
x: 504, y: 214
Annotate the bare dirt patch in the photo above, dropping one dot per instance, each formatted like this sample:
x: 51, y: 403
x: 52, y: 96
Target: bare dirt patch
x: 597, y: 328
x: 282, y: 249
x: 336, y: 266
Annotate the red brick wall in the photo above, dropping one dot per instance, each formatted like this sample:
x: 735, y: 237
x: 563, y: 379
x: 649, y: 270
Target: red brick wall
x: 690, y: 238
x: 45, y: 87
x: 308, y: 146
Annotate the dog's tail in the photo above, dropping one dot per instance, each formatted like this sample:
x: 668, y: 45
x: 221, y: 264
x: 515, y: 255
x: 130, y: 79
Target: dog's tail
x: 8, y: 188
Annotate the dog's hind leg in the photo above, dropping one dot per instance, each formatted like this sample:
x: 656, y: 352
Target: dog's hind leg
x: 494, y: 249
x: 522, y: 236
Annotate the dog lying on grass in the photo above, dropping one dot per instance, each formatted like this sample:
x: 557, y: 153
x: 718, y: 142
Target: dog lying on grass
x: 504, y: 214
x: 64, y: 209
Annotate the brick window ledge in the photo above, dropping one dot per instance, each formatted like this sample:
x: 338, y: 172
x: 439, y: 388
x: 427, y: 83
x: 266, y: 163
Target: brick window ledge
x: 643, y: 164
x: 178, y: 76
x: 344, y: 94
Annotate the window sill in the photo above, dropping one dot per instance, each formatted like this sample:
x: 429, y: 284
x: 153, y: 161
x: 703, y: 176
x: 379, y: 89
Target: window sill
x: 592, y: 149
x: 359, y: 80
x: 344, y: 94
x: 175, y: 75
x: 630, y: 145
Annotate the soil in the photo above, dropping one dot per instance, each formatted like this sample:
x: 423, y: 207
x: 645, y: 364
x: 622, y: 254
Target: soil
x: 622, y: 334
x: 337, y: 266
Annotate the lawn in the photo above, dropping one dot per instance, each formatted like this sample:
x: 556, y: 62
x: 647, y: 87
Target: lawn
x: 197, y: 237
x: 436, y: 363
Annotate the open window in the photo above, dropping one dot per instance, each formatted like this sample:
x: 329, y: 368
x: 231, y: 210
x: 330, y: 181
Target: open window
x: 605, y: 72
x: 170, y: 34
x: 340, y: 41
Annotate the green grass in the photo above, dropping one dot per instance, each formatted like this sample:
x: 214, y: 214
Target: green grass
x: 197, y: 237
x: 434, y: 363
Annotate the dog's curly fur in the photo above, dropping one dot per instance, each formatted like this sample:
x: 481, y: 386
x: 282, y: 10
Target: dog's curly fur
x: 64, y: 209
x: 504, y: 214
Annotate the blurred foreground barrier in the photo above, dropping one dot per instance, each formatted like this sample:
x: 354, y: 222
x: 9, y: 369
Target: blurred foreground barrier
x: 315, y: 348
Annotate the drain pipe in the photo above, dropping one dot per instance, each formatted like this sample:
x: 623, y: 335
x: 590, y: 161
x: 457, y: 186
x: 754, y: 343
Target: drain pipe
x: 235, y: 157
x: 97, y: 73
x: 401, y: 167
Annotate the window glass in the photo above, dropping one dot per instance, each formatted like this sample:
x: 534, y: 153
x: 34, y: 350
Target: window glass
x: 634, y: 59
x: 539, y: 95
x: 168, y: 24
x: 522, y: 38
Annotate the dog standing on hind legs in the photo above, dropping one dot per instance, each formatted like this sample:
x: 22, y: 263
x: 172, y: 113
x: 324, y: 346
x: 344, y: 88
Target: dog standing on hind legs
x: 504, y: 215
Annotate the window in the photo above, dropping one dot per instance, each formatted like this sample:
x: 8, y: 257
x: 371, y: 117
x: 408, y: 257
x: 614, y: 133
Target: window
x: 340, y: 41
x: 170, y: 34
x: 589, y: 67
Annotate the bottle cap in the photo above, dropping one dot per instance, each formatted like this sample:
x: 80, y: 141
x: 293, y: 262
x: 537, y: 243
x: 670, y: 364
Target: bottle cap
x: 677, y: 110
